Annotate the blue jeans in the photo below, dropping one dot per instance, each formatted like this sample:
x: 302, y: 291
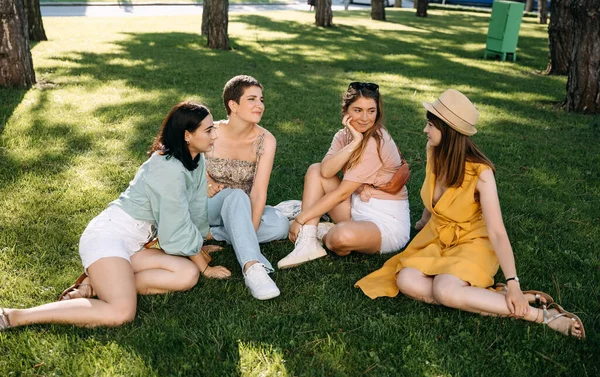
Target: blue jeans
x: 230, y: 219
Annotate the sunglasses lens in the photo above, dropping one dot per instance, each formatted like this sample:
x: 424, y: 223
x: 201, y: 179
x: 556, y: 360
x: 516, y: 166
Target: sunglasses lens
x: 363, y: 85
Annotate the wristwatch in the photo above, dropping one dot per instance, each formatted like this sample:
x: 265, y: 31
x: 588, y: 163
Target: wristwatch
x: 515, y: 278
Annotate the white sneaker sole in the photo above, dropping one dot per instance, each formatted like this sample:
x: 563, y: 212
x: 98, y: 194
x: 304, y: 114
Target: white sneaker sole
x: 267, y: 296
x: 313, y: 256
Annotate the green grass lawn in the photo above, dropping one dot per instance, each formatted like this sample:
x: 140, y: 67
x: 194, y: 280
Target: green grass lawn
x: 71, y: 145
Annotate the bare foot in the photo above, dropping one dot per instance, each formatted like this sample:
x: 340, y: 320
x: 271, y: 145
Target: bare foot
x: 562, y: 321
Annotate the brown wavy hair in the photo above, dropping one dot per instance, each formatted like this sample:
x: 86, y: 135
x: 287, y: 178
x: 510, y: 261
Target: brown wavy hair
x: 451, y: 155
x: 374, y: 132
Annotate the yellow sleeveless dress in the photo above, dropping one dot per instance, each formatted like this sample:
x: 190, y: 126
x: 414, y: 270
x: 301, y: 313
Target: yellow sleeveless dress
x: 454, y: 241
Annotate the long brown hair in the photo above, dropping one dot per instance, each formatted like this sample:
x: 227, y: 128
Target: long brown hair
x: 451, y: 155
x: 351, y: 95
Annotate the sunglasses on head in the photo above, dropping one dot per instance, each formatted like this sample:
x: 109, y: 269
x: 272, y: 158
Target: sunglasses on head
x: 364, y: 85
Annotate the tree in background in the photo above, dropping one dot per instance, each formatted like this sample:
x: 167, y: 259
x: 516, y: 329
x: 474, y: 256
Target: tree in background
x: 16, y: 65
x: 397, y: 3
x: 34, y: 20
x: 422, y: 6
x: 543, y: 11
x: 560, y: 37
x: 377, y: 10
x: 217, y: 21
x: 205, y: 13
x: 324, y: 15
x: 583, y: 84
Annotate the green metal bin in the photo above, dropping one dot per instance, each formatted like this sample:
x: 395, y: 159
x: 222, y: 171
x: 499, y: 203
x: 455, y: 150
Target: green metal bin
x: 503, y: 32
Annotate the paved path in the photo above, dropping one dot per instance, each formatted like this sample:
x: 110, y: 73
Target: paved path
x: 124, y: 9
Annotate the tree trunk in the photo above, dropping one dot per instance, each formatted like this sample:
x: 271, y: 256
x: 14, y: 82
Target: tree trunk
x: 218, y: 19
x: 377, y: 10
x: 16, y: 65
x: 543, y: 11
x: 34, y: 20
x: 205, y: 15
x: 528, y: 5
x: 416, y: 4
x: 583, y: 84
x: 560, y: 37
x: 397, y: 3
x: 323, y: 16
x: 422, y: 8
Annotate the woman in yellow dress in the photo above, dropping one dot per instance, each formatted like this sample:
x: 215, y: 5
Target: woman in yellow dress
x: 454, y: 258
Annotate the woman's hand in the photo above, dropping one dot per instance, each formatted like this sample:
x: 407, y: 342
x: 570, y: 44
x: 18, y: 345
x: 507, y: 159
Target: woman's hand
x: 216, y: 272
x: 421, y: 224
x: 356, y: 136
x: 515, y: 300
x: 294, y: 230
x: 365, y: 192
x: 214, y: 188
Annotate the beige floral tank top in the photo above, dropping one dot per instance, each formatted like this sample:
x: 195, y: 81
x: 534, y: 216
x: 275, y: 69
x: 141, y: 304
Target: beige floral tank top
x: 235, y: 173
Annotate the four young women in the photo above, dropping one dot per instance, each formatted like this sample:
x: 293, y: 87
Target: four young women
x: 451, y: 261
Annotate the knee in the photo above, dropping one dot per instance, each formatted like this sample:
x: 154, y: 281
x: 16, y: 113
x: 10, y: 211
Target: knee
x: 407, y: 284
x: 236, y: 198
x: 121, y: 314
x: 314, y: 171
x: 445, y: 294
x: 338, y: 241
x: 188, y: 276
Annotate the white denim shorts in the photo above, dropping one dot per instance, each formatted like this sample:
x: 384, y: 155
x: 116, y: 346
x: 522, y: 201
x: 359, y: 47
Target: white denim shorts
x: 113, y: 233
x: 392, y: 217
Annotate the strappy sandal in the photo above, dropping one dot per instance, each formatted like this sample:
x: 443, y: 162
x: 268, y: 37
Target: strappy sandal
x: 563, y: 313
x: 76, y: 288
x: 4, y: 322
x: 539, y: 295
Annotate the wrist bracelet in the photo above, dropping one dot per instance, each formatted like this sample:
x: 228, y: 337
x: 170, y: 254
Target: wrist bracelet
x: 205, y: 268
x: 296, y: 220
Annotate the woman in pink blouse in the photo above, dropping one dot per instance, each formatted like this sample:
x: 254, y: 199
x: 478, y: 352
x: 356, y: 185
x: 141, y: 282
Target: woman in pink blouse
x: 367, y: 219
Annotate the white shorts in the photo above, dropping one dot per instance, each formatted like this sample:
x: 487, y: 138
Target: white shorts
x: 113, y: 233
x: 392, y: 217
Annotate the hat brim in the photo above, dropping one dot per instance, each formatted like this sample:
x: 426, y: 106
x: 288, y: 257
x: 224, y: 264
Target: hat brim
x: 469, y: 131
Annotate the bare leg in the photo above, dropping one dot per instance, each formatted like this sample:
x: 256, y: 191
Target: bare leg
x: 361, y: 236
x: 158, y: 272
x: 155, y: 272
x: 453, y: 292
x: 415, y: 284
x: 113, y: 281
x: 315, y: 187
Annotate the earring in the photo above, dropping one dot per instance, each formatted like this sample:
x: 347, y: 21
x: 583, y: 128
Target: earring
x: 187, y: 142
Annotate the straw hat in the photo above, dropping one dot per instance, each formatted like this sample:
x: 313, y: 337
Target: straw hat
x: 456, y: 110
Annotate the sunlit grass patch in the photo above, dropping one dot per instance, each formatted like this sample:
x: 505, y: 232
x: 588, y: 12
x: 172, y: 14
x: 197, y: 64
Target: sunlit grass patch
x: 71, y: 145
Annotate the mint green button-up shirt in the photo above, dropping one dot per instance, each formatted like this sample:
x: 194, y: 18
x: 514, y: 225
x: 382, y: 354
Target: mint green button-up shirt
x: 173, y: 199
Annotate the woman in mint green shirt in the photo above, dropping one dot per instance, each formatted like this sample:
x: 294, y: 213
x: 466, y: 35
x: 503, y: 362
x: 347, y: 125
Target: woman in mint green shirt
x: 168, y: 197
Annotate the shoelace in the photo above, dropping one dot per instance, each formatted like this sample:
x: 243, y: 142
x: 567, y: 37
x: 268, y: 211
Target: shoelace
x: 261, y: 277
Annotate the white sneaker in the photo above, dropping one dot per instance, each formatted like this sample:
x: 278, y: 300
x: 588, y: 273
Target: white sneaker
x: 260, y: 283
x: 322, y: 230
x: 307, y: 248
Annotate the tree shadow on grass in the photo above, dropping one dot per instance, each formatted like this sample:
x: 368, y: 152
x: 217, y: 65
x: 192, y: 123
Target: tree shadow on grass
x: 320, y: 323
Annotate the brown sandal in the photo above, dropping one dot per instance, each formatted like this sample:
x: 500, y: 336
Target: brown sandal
x: 4, y: 322
x: 75, y: 288
x: 539, y: 295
